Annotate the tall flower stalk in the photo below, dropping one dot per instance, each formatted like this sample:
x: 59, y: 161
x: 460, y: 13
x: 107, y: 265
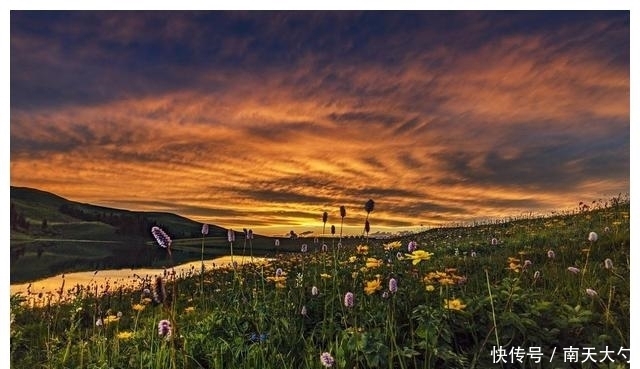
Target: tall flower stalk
x: 205, y: 231
x: 244, y: 245
x: 325, y: 217
x: 343, y: 213
x: 367, y: 228
x: 231, y: 237
x: 250, y: 236
x: 368, y: 207
x: 333, y: 234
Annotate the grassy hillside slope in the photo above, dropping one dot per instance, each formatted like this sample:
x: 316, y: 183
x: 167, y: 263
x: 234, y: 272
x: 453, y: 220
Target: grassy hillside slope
x: 95, y: 241
x: 466, y: 295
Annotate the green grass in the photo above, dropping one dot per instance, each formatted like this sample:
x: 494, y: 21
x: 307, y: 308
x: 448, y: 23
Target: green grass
x: 249, y: 317
x: 85, y: 231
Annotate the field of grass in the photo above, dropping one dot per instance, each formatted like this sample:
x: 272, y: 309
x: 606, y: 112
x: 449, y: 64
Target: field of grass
x: 543, y: 291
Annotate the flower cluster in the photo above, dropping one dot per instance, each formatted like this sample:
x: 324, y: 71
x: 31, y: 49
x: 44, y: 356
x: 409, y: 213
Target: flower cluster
x: 392, y: 245
x: 164, y: 328
x: 372, y: 286
x: 514, y: 264
x: 418, y: 256
x: 326, y: 360
x: 161, y: 237
x: 279, y: 280
x: 412, y: 246
x: 454, y: 304
x: 446, y: 278
x: 573, y: 270
x: 348, y: 299
x: 393, y: 285
x: 373, y: 263
x: 362, y: 249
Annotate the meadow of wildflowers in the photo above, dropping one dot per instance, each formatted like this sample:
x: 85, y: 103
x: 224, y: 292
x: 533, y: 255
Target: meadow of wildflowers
x: 445, y: 298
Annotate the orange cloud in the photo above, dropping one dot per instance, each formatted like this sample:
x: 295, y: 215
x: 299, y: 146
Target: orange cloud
x: 512, y: 125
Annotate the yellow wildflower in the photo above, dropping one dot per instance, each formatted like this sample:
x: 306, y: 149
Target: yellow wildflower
x: 372, y: 286
x: 325, y: 276
x: 138, y: 307
x: 362, y: 249
x: 352, y: 259
x: 392, y: 245
x: 110, y: 319
x: 446, y: 281
x: 419, y: 255
x: 189, y: 309
x: 514, y: 264
x: 447, y: 278
x: 514, y: 267
x: 125, y: 335
x: 146, y: 301
x: 373, y: 263
x: 430, y: 288
x: 276, y: 279
x: 454, y: 304
x: 354, y: 275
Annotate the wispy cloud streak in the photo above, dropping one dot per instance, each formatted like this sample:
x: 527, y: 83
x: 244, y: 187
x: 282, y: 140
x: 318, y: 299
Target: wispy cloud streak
x: 272, y: 118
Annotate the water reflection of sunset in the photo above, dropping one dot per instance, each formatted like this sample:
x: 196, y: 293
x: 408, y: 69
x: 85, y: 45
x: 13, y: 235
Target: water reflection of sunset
x: 64, y: 285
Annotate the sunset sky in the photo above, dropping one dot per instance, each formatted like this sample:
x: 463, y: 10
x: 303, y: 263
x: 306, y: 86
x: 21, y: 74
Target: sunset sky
x: 264, y: 120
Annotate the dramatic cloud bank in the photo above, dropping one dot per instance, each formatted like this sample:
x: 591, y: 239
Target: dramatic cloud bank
x: 267, y: 119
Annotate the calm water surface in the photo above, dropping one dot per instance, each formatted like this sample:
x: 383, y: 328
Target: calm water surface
x: 119, y: 277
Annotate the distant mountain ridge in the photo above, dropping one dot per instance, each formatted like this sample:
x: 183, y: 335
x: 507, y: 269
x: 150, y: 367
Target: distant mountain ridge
x: 37, y: 205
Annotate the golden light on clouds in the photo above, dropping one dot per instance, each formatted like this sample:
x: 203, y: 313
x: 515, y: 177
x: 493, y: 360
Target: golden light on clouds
x: 245, y: 132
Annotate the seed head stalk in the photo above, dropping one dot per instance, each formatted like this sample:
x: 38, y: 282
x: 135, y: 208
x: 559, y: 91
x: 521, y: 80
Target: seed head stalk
x: 368, y: 207
x: 231, y: 236
x: 325, y: 217
x: 244, y: 245
x: 333, y: 237
x: 343, y: 213
x: 205, y: 231
x: 251, y: 244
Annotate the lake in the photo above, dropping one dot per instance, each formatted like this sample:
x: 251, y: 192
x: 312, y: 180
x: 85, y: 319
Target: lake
x: 114, y: 278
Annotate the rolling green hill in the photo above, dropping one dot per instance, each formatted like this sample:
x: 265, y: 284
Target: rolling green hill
x: 37, y: 205
x: 79, y: 236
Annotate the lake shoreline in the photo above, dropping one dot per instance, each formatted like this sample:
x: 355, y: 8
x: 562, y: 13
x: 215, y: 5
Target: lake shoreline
x: 50, y: 286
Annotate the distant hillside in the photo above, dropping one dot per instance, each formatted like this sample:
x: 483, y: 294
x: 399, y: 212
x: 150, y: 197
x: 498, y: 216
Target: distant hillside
x: 52, y: 235
x: 37, y: 206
